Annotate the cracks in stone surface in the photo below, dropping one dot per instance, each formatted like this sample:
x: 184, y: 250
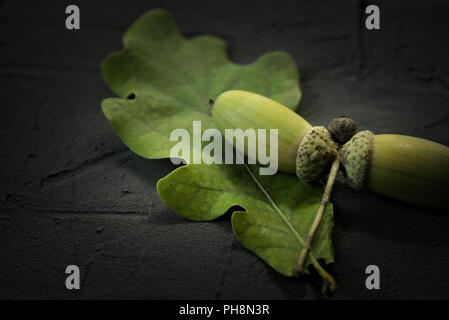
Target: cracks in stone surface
x: 69, y: 172
x: 124, y: 190
x: 90, y: 212
x: 430, y: 75
x: 279, y: 28
x: 332, y: 38
x: 226, y: 264
x: 443, y: 121
x: 361, y: 33
x: 86, y: 271
x: 16, y: 68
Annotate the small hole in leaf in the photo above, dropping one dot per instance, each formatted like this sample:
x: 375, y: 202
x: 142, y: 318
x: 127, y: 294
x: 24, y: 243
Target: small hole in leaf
x: 131, y: 96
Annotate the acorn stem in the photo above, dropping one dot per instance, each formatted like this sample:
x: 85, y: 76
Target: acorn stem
x: 329, y: 284
x: 319, y: 215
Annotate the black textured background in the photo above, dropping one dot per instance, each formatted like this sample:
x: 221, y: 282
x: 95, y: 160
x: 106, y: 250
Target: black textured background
x: 72, y: 193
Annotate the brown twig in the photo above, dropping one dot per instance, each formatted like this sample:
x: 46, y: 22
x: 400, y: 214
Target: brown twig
x: 319, y: 215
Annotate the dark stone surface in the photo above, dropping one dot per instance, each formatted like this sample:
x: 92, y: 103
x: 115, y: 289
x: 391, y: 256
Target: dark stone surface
x: 72, y: 193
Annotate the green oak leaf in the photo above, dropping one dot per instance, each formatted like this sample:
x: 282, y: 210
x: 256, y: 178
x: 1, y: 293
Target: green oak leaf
x: 166, y: 82
x: 172, y: 80
x: 279, y: 210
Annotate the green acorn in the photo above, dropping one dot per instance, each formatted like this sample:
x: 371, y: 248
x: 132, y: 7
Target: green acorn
x: 409, y: 169
x: 302, y: 149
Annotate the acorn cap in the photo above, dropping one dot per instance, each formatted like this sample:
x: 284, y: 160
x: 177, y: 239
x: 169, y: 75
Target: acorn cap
x: 356, y: 158
x: 315, y: 154
x: 342, y: 129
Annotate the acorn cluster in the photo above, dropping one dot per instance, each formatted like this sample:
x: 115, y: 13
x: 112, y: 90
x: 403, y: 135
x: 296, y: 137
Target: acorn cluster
x: 409, y: 169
